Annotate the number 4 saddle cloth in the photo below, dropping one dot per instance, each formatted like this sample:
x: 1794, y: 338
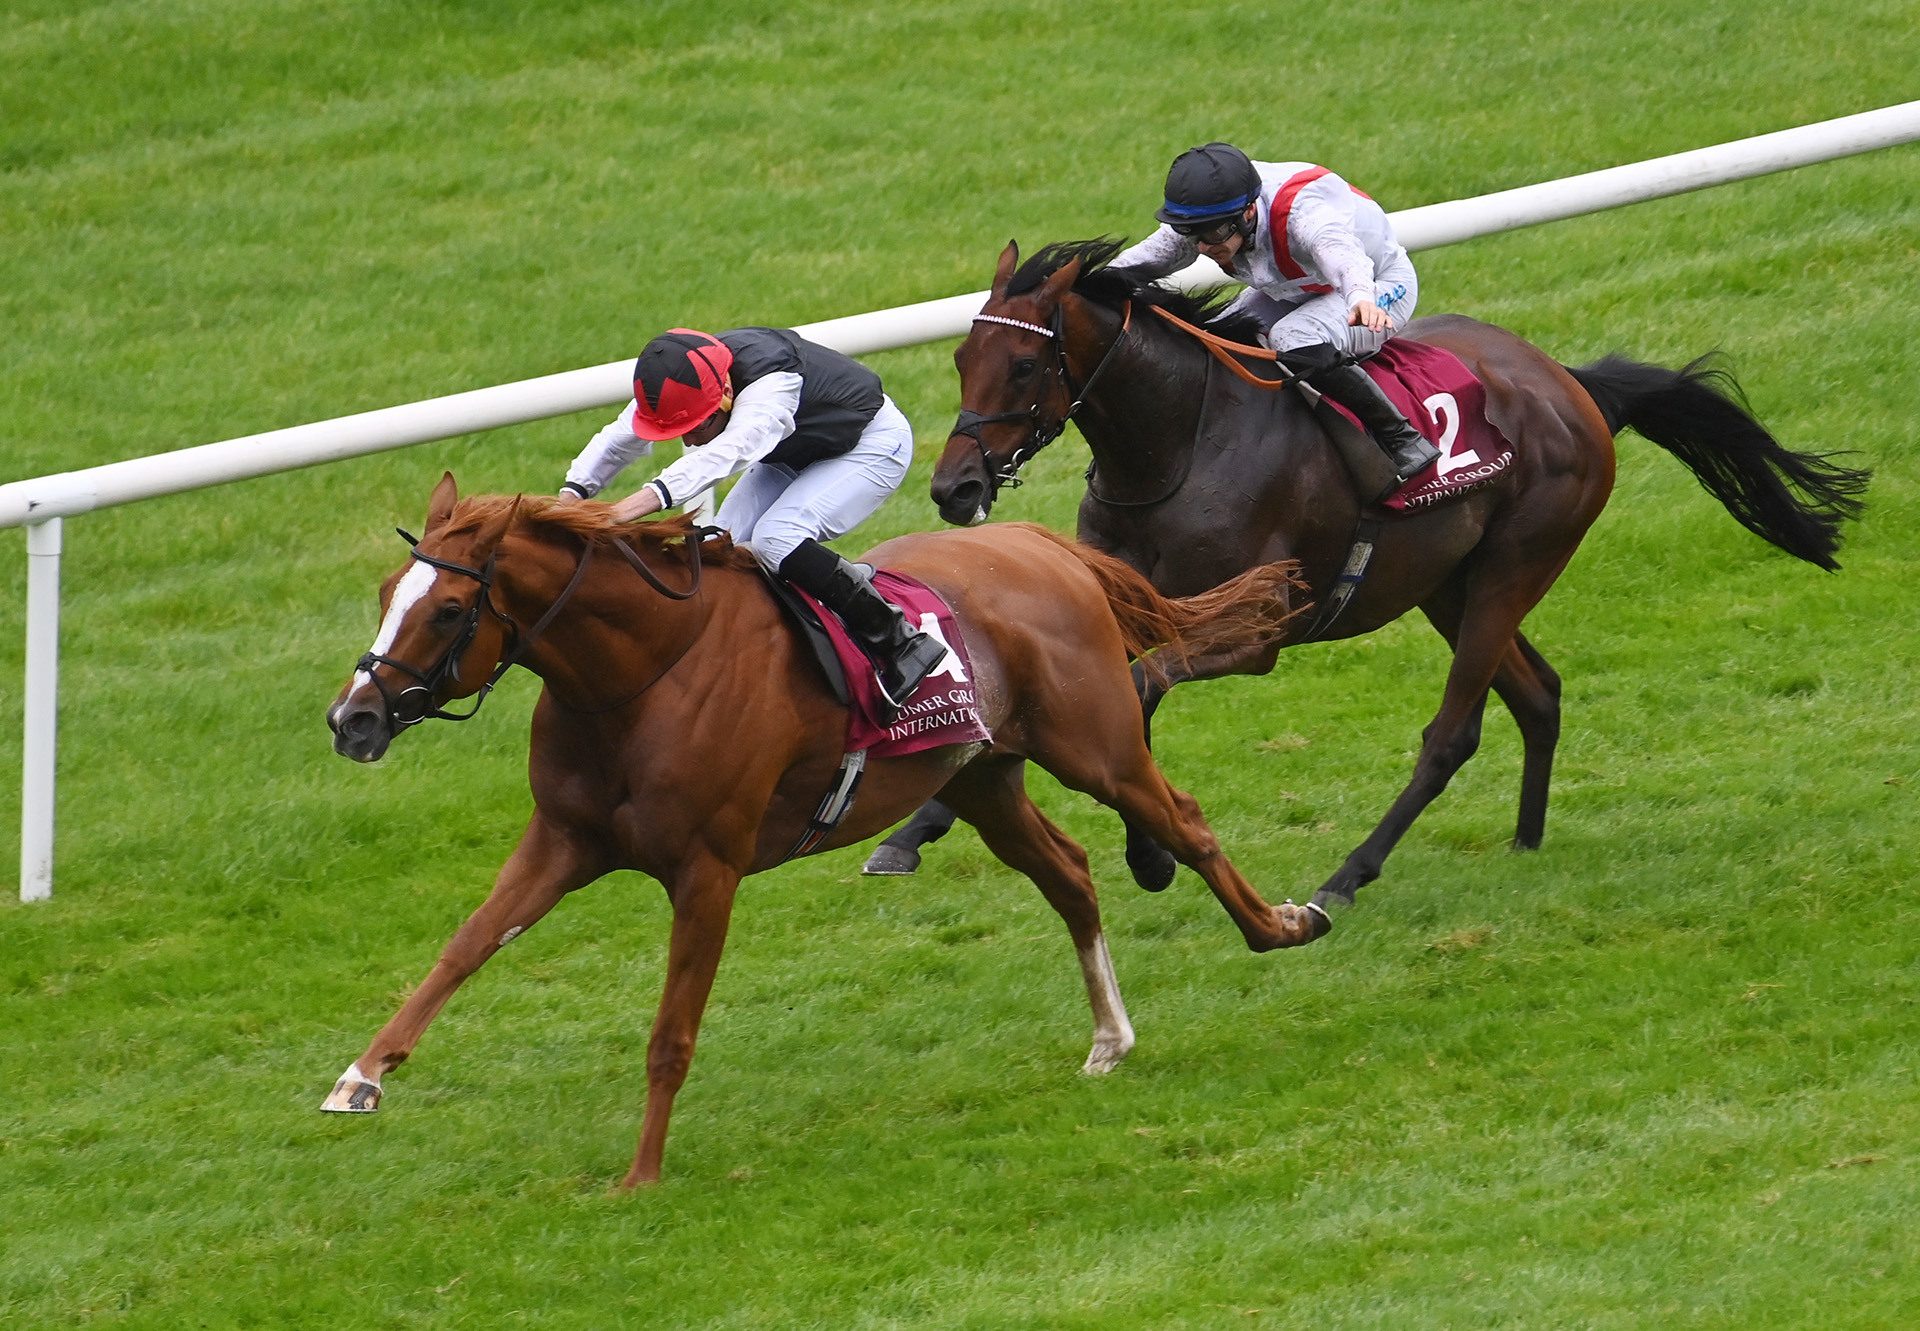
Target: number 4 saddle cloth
x: 1437, y: 392
x: 943, y: 710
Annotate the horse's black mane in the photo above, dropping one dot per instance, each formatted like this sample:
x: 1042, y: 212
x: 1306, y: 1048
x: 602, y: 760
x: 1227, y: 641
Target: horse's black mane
x: 1114, y: 287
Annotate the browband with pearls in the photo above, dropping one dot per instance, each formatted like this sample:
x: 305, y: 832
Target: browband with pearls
x: 1012, y: 323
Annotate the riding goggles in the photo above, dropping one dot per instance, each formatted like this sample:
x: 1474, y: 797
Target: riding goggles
x: 1208, y: 233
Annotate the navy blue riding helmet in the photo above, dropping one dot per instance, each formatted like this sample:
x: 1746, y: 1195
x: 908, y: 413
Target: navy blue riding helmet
x: 1211, y: 183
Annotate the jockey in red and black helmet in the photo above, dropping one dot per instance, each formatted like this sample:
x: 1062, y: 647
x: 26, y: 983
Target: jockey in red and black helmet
x: 817, y: 445
x: 1326, y: 276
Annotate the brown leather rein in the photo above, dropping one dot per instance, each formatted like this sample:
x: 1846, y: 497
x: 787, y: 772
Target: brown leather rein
x: 1230, y: 353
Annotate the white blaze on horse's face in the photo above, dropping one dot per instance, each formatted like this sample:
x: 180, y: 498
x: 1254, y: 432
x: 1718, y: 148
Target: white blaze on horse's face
x: 415, y: 583
x: 413, y: 586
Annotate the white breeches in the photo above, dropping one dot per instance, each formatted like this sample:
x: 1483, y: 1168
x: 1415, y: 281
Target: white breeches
x: 771, y: 508
x: 1323, y: 318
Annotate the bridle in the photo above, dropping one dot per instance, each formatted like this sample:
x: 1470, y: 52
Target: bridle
x: 415, y: 703
x: 1040, y: 432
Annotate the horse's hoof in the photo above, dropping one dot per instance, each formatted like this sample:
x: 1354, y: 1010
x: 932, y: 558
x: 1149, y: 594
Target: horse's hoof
x: 1105, y: 1056
x: 352, y: 1096
x: 1303, y: 924
x: 891, y: 861
x: 1153, y: 869
x: 1322, y: 922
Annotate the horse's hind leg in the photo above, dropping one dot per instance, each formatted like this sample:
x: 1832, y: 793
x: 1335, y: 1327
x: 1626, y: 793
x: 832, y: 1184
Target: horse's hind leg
x: 1151, y: 864
x: 543, y: 868
x: 1121, y: 773
x: 1531, y: 691
x: 1174, y: 819
x: 1484, y: 645
x: 991, y: 795
x: 900, y: 852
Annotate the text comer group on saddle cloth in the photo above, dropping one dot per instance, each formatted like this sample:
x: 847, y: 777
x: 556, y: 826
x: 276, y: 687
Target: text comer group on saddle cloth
x: 817, y: 445
x: 1325, y: 275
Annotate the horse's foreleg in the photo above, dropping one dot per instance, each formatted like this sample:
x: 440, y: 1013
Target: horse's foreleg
x: 1483, y: 643
x: 544, y: 867
x: 991, y: 795
x: 702, y: 908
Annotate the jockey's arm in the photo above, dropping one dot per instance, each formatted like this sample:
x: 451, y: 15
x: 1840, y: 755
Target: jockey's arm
x: 1163, y: 252
x: 1322, y: 225
x: 606, y: 455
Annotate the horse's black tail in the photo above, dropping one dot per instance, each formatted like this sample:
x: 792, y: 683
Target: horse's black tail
x: 1699, y: 414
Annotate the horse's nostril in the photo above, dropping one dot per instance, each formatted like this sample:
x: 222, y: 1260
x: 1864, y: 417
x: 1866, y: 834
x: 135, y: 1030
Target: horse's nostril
x: 357, y: 724
x: 962, y: 501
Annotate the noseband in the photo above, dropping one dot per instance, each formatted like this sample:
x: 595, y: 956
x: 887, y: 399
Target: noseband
x: 1041, y: 433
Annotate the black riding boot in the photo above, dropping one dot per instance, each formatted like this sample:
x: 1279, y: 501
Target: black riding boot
x: 1354, y: 389
x: 902, y: 656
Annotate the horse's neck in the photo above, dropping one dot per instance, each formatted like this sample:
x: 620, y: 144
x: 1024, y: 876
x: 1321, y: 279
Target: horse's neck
x: 1198, y: 475
x: 617, y: 635
x: 1141, y: 418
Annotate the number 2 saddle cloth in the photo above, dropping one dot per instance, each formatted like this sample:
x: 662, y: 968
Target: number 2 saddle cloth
x: 1437, y: 392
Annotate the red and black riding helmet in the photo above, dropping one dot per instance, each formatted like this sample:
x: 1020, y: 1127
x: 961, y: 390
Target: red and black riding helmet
x: 680, y: 380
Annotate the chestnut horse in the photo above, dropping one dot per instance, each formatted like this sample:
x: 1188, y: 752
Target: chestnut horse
x: 685, y: 731
x: 1198, y: 474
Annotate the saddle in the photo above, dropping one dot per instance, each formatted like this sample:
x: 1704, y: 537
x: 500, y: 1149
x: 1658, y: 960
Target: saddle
x: 804, y: 616
x: 943, y: 710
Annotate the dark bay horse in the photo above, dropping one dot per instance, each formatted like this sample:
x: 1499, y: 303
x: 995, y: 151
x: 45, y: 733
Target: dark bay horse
x: 666, y: 652
x: 1198, y: 475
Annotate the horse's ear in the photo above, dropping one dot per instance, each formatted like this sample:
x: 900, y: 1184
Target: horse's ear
x: 490, y: 535
x: 1061, y: 282
x: 1009, y: 260
x: 440, y: 507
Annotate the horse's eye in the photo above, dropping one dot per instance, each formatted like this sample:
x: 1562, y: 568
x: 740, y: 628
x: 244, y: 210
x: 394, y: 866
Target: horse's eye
x: 1024, y: 367
x: 447, y: 614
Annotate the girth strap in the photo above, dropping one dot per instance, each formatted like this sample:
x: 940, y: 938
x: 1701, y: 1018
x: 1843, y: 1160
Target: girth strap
x: 834, y: 807
x: 1352, y: 574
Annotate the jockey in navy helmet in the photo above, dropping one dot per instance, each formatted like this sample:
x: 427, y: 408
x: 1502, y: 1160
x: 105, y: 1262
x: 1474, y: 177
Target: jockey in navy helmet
x: 817, y: 446
x: 1326, y: 277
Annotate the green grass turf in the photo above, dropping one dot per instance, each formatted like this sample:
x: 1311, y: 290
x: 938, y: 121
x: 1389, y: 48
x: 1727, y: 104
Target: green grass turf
x: 1658, y: 1073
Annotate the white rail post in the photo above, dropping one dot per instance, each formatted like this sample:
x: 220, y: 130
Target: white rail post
x: 42, y: 704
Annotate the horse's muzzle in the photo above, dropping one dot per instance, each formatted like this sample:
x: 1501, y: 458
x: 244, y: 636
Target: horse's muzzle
x: 964, y: 503
x: 359, y: 732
